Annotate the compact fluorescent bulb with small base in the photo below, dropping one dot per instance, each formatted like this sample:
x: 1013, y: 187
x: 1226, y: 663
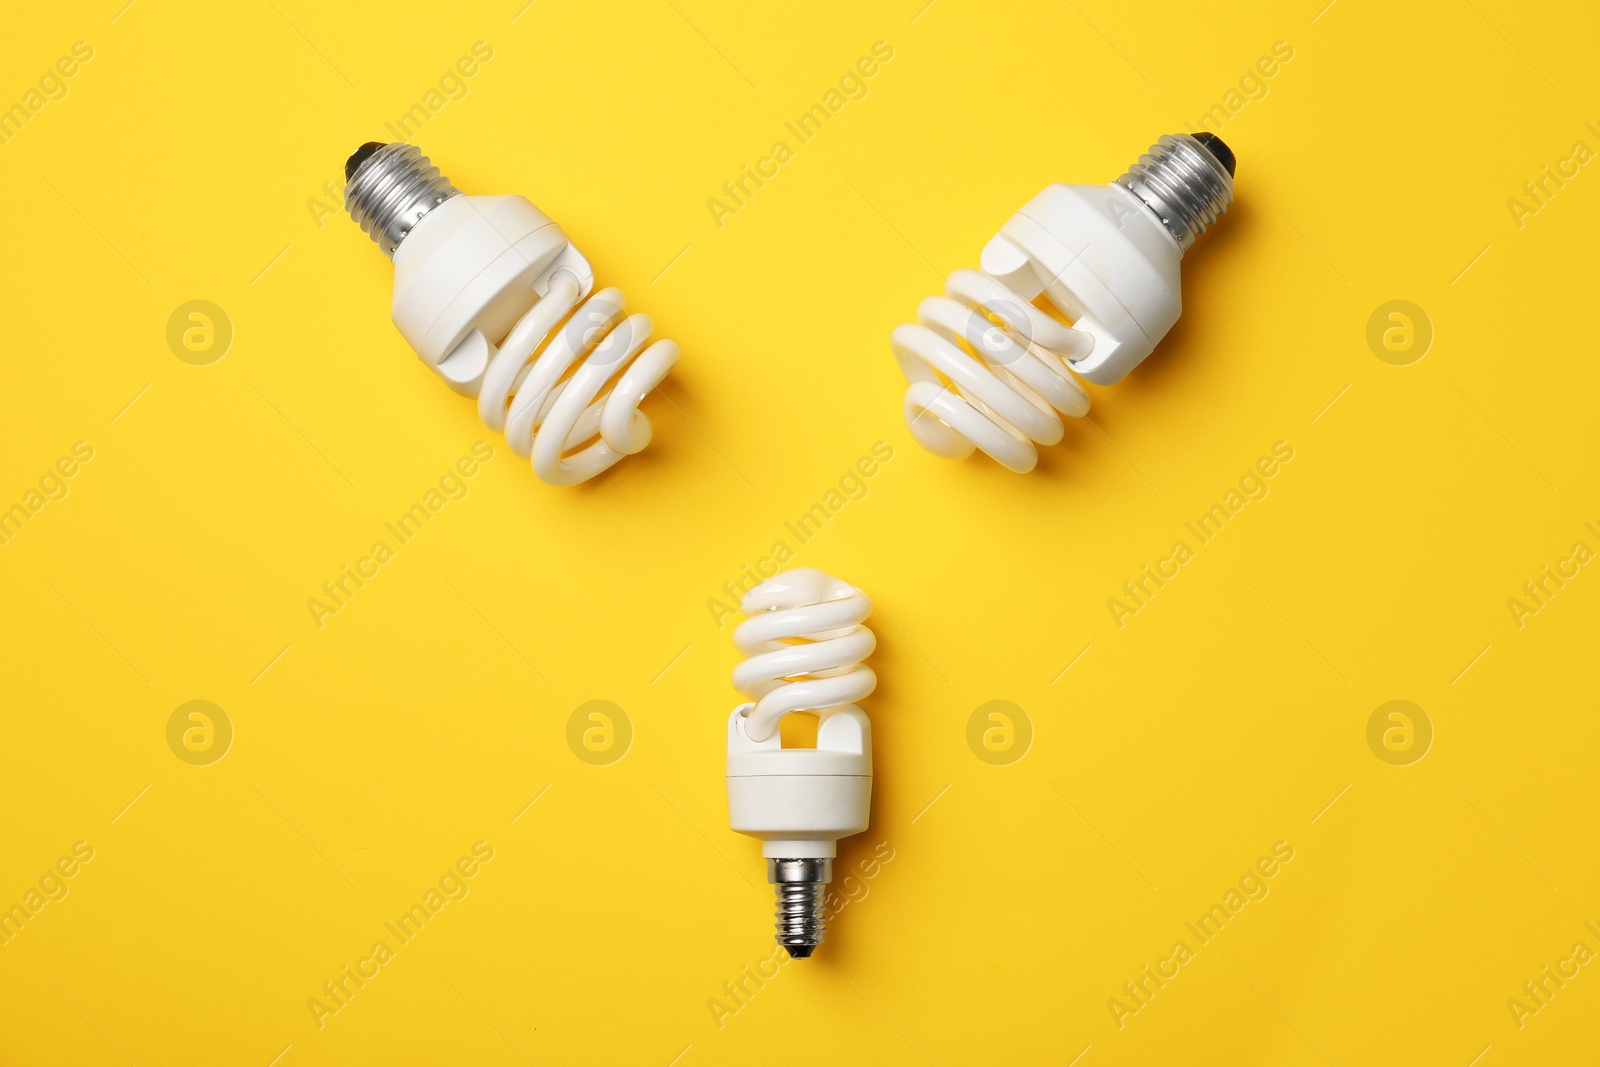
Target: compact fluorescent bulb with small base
x: 990, y: 370
x: 805, y: 644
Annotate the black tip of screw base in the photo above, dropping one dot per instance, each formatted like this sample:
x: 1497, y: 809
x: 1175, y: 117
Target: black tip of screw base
x: 1216, y: 147
x: 362, y: 154
x: 800, y: 952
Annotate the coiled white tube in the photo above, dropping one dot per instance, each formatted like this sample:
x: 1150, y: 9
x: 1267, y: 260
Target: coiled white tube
x: 805, y: 644
x: 988, y: 370
x: 486, y: 292
x: 546, y: 413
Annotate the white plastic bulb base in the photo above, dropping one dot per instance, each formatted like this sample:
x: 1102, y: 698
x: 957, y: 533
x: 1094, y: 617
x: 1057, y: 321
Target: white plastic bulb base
x: 1098, y: 254
x: 800, y: 802
x: 463, y: 274
x: 1107, y: 255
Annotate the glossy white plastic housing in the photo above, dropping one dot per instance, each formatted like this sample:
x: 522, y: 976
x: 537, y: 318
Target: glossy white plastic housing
x: 490, y: 294
x: 989, y: 370
x: 800, y: 801
x: 805, y: 642
x: 1099, y: 255
x: 468, y: 267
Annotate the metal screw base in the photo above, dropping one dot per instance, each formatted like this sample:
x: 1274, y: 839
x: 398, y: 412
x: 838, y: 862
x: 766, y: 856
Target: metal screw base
x: 389, y: 187
x: 801, y: 920
x: 1185, y: 182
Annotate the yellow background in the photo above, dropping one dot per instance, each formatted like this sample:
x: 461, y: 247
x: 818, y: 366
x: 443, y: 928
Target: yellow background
x: 1227, y: 715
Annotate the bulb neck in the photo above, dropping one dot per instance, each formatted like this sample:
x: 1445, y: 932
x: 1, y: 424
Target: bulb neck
x: 389, y: 188
x: 1185, y: 181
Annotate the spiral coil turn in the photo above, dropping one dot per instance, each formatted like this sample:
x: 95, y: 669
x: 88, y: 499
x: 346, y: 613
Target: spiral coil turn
x: 988, y: 370
x: 547, y: 413
x: 805, y: 644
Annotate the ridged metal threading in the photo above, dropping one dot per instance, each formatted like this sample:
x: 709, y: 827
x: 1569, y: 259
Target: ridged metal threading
x: 1183, y: 184
x: 801, y: 924
x: 392, y: 190
x: 801, y: 885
